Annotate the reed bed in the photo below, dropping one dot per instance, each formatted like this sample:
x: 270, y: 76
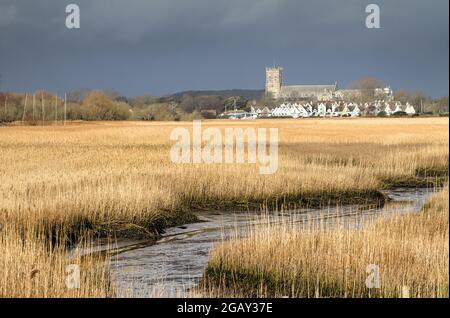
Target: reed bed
x: 399, y: 256
x: 117, y: 175
x: 116, y: 178
x: 30, y: 267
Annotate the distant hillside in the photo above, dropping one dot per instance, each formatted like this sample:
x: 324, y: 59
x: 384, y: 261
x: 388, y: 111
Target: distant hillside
x: 246, y: 93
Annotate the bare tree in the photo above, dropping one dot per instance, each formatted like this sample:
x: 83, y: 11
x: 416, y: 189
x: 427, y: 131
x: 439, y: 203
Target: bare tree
x: 367, y: 87
x: 415, y: 98
x: 367, y: 83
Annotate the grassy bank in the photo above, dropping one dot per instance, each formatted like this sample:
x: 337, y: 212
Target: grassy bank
x: 32, y: 268
x: 117, y: 178
x: 409, y: 250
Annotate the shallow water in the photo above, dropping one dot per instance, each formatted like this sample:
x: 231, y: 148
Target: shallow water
x: 176, y: 262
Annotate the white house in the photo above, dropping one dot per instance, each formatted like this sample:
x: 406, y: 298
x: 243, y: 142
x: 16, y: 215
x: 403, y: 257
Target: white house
x: 410, y: 109
x: 398, y: 108
x: 356, y: 111
x: 345, y: 111
x: 388, y: 110
x: 321, y: 110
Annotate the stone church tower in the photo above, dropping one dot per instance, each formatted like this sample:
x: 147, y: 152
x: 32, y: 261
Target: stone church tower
x: 274, y: 81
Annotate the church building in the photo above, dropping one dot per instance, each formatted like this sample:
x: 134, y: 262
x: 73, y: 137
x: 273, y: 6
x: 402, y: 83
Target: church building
x: 275, y: 87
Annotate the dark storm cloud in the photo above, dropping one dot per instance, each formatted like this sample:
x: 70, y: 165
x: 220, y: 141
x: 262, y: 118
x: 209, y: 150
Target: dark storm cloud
x: 163, y: 46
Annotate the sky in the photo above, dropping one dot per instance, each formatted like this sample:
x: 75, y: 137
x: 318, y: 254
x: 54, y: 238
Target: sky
x: 160, y: 47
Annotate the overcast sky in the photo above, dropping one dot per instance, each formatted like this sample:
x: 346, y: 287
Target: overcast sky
x: 164, y: 46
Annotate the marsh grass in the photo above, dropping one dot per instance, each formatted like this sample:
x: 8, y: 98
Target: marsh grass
x: 64, y: 184
x: 32, y: 268
x: 118, y: 176
x: 411, y: 252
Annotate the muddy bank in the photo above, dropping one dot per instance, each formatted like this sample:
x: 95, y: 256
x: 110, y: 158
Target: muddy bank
x: 188, y: 213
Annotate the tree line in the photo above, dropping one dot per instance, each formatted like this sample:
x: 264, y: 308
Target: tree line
x: 85, y: 104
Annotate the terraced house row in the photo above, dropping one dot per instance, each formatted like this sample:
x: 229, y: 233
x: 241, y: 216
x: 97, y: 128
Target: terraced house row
x: 324, y: 109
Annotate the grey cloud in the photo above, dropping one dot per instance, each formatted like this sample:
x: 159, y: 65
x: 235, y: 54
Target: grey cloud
x: 219, y: 38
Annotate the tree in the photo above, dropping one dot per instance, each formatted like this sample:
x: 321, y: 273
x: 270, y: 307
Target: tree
x: 415, y: 98
x: 191, y: 103
x: 437, y: 106
x: 141, y: 101
x: 98, y: 106
x: 78, y: 95
x: 367, y: 87
x: 241, y: 102
x: 367, y: 83
x: 442, y: 104
x: 268, y: 100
